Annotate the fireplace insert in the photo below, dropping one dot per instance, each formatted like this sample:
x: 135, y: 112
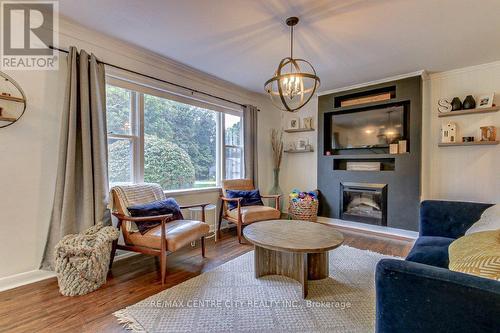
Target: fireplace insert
x: 366, y: 203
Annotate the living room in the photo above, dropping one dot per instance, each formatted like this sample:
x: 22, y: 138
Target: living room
x: 254, y: 166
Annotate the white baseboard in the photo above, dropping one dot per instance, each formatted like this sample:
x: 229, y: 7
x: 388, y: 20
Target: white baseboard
x: 21, y: 279
x: 125, y: 255
x: 371, y: 228
x: 17, y: 280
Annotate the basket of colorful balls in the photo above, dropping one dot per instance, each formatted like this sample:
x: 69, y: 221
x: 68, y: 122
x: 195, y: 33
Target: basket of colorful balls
x: 303, y: 205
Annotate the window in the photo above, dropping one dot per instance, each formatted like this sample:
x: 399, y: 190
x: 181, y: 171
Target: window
x: 161, y: 138
x: 233, y: 147
x: 119, y: 110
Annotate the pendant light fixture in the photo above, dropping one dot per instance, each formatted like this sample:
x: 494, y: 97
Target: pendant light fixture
x: 295, y: 80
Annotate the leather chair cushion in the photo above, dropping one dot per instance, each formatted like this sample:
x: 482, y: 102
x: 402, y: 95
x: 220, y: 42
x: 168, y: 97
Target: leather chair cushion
x: 179, y: 233
x: 251, y: 214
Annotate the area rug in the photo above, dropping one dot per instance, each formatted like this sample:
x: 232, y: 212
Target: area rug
x: 231, y: 299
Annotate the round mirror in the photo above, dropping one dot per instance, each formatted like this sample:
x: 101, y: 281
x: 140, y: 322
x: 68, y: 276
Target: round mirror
x: 12, y: 101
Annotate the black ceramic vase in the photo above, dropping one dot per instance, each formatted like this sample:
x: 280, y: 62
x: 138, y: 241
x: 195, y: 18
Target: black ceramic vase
x: 456, y: 104
x: 469, y: 103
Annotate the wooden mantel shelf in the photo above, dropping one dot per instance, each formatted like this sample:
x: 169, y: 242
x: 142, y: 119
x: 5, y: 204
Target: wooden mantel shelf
x: 294, y: 151
x: 471, y: 111
x: 9, y: 119
x: 12, y: 98
x: 473, y: 143
x: 298, y: 130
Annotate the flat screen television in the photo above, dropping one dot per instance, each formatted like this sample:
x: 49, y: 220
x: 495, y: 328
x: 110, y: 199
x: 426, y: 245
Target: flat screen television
x: 369, y: 128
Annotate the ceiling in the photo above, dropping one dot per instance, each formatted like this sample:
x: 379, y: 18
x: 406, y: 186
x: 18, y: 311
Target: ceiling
x: 348, y: 41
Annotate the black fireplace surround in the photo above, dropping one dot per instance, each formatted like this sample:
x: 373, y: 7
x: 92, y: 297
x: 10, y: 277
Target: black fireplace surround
x: 396, y: 203
x: 366, y: 203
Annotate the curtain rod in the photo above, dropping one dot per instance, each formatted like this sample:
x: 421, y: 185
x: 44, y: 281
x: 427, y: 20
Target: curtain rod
x: 158, y: 79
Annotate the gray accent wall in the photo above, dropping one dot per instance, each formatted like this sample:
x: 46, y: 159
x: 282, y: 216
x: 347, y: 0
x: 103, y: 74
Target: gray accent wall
x: 403, y: 183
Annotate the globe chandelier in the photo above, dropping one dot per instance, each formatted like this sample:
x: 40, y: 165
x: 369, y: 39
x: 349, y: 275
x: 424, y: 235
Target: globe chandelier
x: 294, y: 82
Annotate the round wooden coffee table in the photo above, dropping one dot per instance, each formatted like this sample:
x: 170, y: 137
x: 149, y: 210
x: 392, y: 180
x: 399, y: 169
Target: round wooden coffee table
x: 297, y: 249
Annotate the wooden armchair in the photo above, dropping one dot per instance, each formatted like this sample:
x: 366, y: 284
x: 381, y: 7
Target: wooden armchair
x: 169, y: 236
x: 244, y: 215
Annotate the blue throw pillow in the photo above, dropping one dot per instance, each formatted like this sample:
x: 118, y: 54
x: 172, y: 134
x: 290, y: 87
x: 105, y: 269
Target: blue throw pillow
x: 161, y: 207
x: 250, y: 198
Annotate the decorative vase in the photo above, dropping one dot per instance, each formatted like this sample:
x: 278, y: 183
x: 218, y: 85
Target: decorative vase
x: 469, y: 103
x: 456, y: 104
x: 276, y: 189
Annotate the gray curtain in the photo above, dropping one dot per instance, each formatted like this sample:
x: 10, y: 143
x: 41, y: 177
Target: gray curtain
x: 81, y: 193
x: 250, y: 141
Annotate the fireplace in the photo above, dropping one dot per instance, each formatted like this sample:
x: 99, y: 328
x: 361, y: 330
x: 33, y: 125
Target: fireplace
x: 362, y: 202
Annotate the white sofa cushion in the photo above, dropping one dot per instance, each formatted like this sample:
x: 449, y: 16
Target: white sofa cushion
x: 490, y: 220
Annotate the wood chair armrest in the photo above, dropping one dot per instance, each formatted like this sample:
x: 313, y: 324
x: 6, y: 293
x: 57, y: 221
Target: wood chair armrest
x: 230, y: 199
x: 158, y: 218
x: 226, y: 200
x: 270, y: 196
x: 202, y: 205
x: 276, y: 198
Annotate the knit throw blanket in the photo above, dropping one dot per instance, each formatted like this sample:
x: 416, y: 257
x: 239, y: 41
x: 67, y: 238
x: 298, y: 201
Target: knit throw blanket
x: 82, y: 260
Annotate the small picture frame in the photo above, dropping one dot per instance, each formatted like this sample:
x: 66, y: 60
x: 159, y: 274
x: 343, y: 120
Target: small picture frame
x: 485, y: 101
x: 301, y: 144
x: 308, y: 122
x: 294, y: 123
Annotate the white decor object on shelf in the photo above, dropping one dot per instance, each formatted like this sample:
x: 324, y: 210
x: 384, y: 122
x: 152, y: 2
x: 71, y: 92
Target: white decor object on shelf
x: 485, y: 101
x: 301, y: 144
x: 363, y: 166
x: 393, y: 148
x: 308, y: 122
x: 449, y: 133
x: 402, y: 146
x: 444, y: 106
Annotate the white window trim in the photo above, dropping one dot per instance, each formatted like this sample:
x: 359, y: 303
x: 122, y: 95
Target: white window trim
x: 131, y: 81
x: 138, y: 89
x: 189, y: 191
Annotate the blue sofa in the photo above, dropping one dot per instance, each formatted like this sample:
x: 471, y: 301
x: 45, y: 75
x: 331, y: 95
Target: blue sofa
x: 420, y: 294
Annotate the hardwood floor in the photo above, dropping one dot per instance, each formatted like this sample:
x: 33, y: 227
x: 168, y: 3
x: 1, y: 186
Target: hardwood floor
x: 39, y: 307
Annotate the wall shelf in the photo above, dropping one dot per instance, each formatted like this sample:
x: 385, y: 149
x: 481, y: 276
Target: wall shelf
x: 473, y: 143
x: 299, y: 151
x: 12, y: 99
x: 471, y: 111
x: 8, y: 119
x: 365, y: 156
x: 10, y: 112
x: 298, y: 130
x: 384, y: 164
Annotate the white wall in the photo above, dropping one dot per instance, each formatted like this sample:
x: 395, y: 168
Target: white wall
x: 461, y: 173
x: 29, y: 148
x: 28, y: 151
x: 300, y: 170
